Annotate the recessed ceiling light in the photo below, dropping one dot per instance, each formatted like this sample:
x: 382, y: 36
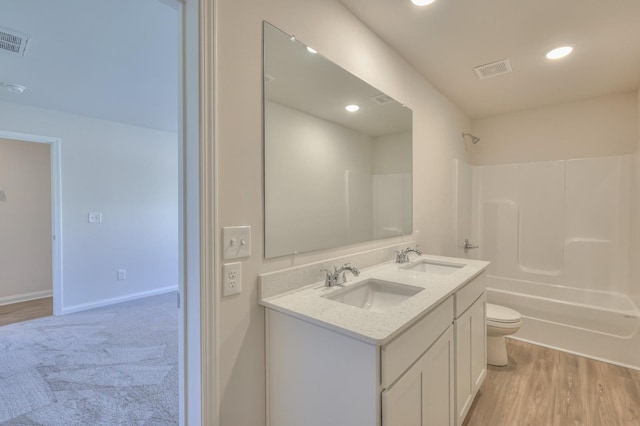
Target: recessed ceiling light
x: 14, y: 88
x: 422, y: 2
x: 311, y: 49
x: 559, y: 52
x: 352, y: 108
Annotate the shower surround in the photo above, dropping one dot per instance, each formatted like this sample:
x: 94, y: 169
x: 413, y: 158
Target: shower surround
x: 557, y: 235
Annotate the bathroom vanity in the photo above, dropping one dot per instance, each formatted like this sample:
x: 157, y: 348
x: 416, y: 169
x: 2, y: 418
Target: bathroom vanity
x: 399, y: 345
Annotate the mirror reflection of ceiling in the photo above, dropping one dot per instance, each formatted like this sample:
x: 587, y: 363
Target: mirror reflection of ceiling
x: 447, y: 39
x: 110, y: 59
x: 310, y: 83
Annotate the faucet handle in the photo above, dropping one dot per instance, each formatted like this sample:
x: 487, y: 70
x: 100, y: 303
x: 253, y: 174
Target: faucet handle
x: 327, y: 273
x: 330, y: 278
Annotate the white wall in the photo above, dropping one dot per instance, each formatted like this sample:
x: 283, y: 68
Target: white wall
x: 130, y: 175
x: 25, y: 221
x: 340, y: 36
x: 596, y: 127
x: 634, y: 281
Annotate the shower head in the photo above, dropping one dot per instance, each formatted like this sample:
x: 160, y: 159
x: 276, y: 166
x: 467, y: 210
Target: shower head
x: 474, y: 139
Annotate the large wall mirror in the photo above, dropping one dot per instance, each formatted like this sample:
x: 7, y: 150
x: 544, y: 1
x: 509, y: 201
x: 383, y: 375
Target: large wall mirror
x: 333, y: 177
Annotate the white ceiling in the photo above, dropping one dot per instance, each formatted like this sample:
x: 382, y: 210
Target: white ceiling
x: 446, y: 40
x: 118, y: 59
x: 111, y: 59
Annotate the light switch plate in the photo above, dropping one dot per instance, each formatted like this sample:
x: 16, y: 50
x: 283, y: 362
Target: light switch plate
x: 236, y: 242
x: 232, y: 279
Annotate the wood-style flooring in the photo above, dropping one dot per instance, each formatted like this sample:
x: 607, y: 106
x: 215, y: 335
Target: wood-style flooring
x: 544, y: 387
x: 24, y: 311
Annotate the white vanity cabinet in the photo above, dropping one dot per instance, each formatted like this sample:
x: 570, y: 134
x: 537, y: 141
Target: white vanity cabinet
x: 419, y: 363
x: 318, y: 377
x: 470, y: 332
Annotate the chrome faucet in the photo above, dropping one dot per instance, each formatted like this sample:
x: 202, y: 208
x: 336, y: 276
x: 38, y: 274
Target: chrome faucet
x: 333, y: 278
x: 403, y: 256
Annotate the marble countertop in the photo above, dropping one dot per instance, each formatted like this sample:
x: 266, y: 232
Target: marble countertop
x: 308, y: 303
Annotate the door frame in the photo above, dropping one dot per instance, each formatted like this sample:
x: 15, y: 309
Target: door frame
x: 56, y: 209
x: 199, y: 316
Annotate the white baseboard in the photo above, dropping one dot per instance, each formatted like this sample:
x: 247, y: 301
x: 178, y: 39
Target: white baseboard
x: 114, y: 300
x: 7, y: 300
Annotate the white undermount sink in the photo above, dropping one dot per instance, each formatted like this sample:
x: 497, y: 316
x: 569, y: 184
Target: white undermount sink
x: 434, y: 267
x: 374, y: 295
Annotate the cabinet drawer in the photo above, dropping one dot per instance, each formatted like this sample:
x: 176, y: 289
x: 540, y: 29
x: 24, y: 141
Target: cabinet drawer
x: 398, y: 355
x: 470, y: 293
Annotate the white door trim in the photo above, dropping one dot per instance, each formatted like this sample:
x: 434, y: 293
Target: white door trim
x: 209, y: 214
x: 56, y: 212
x: 200, y: 351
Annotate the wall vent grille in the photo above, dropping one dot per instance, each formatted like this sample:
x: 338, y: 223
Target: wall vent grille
x: 12, y: 41
x: 493, y: 69
x: 383, y: 99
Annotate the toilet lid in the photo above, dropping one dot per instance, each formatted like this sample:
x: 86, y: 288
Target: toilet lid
x: 499, y: 313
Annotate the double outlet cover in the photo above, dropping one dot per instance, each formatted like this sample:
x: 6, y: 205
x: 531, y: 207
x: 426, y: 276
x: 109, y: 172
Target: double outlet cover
x: 232, y: 279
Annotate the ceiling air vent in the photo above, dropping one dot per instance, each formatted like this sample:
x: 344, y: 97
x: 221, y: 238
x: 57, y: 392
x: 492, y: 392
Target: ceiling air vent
x: 12, y: 41
x: 383, y: 99
x: 493, y: 69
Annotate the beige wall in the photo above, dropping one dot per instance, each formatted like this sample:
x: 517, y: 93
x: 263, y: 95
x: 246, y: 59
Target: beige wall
x: 595, y: 127
x: 25, y: 221
x: 333, y: 31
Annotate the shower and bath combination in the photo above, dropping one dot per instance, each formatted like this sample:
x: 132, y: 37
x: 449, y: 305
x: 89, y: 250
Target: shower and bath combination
x: 474, y: 139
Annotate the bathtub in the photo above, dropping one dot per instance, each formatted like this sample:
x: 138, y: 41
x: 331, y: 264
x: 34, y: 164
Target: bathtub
x: 595, y: 324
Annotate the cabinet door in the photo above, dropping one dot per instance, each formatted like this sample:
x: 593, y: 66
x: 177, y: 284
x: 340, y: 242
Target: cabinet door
x: 423, y: 396
x: 471, y: 355
x: 478, y: 342
x: 437, y: 391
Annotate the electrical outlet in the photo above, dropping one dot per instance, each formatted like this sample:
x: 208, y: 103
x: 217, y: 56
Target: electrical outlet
x: 95, y: 217
x: 232, y: 279
x: 122, y: 274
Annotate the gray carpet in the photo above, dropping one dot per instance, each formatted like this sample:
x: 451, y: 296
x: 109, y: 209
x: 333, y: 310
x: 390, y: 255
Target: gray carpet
x: 116, y: 365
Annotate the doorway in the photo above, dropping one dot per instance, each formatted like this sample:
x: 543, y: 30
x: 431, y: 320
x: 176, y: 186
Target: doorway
x: 27, y: 191
x: 51, y: 262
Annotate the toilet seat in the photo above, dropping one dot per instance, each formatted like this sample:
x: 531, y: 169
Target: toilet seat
x: 502, y: 316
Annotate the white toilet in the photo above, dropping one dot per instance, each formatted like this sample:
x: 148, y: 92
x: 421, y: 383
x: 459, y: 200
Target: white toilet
x: 501, y: 321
